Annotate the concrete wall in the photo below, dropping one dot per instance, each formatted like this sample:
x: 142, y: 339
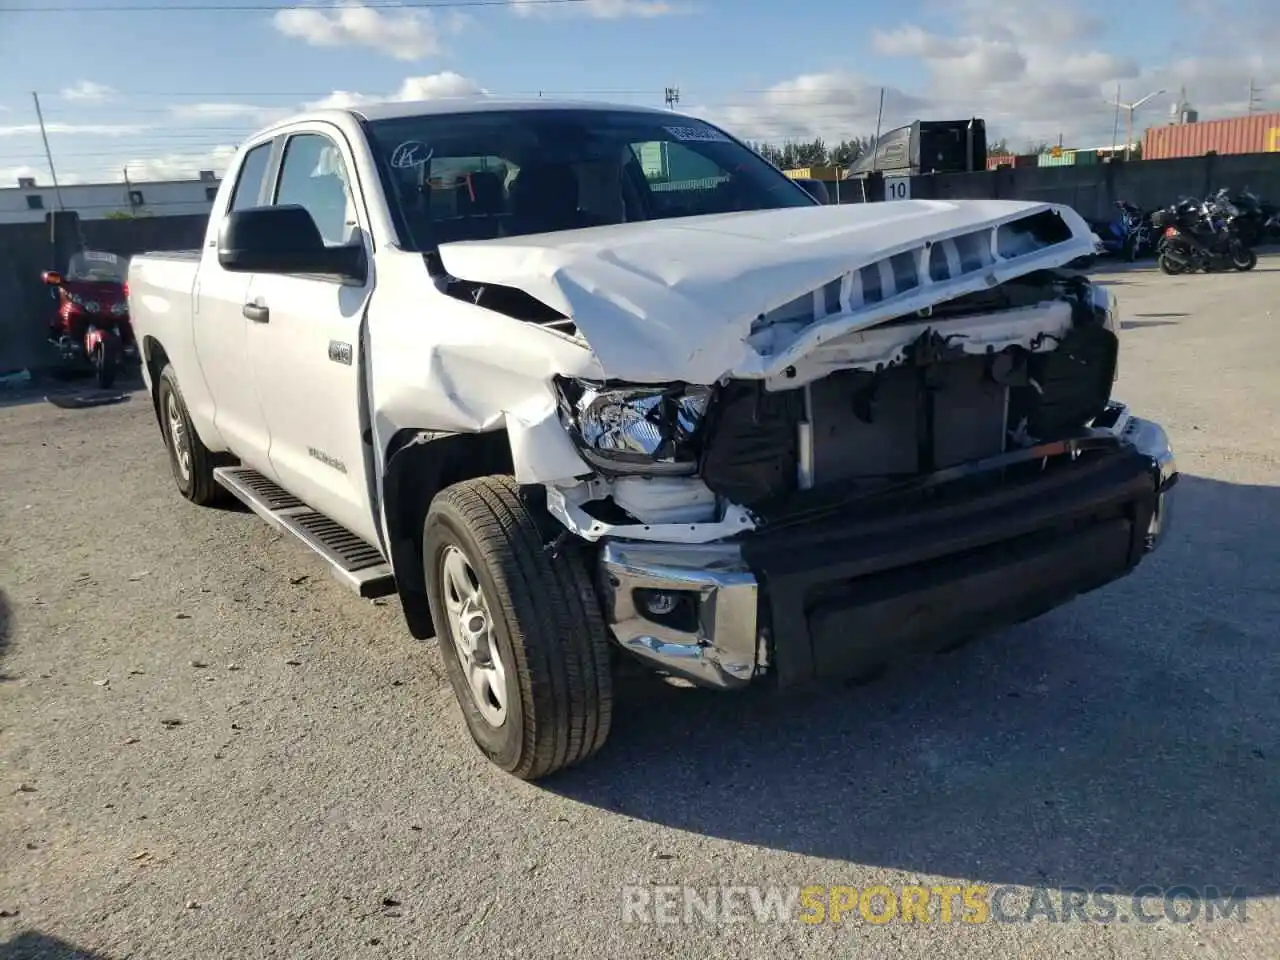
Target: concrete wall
x: 27, y: 249
x: 1092, y: 190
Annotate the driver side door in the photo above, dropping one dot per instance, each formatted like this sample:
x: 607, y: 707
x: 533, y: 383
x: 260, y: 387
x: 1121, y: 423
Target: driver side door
x: 305, y: 334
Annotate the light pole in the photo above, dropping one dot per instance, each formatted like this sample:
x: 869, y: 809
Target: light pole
x: 1129, y: 108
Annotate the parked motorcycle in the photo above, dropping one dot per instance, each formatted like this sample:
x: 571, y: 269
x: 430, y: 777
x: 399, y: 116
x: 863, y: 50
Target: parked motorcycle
x: 90, y: 325
x: 1128, y: 235
x: 1247, y: 209
x: 1200, y: 235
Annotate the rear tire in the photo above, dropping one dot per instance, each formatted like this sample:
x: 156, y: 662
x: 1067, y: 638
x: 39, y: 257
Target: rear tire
x: 1168, y: 265
x: 509, y: 615
x: 189, y: 458
x: 105, y: 361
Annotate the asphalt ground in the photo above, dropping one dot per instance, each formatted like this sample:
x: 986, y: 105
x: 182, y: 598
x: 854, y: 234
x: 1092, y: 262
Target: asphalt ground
x: 209, y: 749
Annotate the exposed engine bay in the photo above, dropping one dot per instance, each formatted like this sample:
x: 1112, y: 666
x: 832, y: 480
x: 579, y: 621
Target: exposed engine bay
x: 744, y: 453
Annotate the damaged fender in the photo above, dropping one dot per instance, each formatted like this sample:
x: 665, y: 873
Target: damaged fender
x: 453, y: 367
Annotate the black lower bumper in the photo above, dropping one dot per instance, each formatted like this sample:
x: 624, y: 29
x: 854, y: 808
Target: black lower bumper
x: 902, y: 577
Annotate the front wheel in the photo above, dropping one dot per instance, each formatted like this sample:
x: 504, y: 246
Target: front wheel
x: 1243, y: 258
x: 520, y: 630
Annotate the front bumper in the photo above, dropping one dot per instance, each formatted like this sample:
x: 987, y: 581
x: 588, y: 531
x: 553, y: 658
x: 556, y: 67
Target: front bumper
x: 837, y: 598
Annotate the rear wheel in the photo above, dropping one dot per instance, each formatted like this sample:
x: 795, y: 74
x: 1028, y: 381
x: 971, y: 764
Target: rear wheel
x: 106, y: 358
x: 189, y: 458
x: 1169, y: 265
x: 520, y: 631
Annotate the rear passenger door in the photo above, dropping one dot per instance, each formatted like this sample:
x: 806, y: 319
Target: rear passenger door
x: 305, y: 349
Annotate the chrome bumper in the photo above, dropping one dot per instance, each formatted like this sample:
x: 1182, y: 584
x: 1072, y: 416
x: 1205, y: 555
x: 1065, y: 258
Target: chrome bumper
x: 725, y: 649
x: 721, y: 650
x: 1149, y: 438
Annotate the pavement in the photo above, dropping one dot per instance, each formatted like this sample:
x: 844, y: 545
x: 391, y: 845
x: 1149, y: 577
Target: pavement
x: 209, y: 749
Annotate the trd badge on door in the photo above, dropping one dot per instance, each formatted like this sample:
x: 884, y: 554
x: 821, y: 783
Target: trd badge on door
x: 340, y: 352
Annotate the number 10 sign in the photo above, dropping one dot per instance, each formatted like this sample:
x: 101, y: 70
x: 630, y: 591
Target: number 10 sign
x: 897, y: 188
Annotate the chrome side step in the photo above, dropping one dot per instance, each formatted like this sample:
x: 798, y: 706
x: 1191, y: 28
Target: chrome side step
x: 353, y: 562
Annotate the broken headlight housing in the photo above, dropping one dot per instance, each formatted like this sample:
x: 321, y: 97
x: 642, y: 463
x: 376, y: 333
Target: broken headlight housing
x: 619, y: 428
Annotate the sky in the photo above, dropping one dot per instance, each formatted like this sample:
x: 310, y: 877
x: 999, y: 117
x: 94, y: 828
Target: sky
x: 169, y: 88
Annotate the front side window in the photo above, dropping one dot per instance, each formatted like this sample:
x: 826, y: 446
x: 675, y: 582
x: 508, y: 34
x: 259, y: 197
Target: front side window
x: 248, y: 186
x: 506, y: 173
x: 314, y: 176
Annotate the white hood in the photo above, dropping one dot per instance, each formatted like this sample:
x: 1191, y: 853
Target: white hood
x: 746, y: 294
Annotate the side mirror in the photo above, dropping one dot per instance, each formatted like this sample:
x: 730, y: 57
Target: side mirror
x: 51, y: 278
x: 814, y: 188
x: 284, y: 239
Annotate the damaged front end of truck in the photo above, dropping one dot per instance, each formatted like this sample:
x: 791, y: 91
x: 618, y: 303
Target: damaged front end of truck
x: 872, y: 462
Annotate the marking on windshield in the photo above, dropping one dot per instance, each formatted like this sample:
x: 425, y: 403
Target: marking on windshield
x: 410, y: 154
x: 697, y: 134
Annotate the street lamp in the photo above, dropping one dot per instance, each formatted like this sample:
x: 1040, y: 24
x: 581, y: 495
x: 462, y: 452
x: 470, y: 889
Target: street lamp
x: 1128, y: 108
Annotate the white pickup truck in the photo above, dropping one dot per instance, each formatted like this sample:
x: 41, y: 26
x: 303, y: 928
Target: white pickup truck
x: 582, y: 382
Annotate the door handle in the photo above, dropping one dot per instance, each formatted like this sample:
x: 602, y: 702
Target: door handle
x: 257, y: 312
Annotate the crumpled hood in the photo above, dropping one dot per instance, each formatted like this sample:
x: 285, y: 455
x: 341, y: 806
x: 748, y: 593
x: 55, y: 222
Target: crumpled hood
x: 699, y: 298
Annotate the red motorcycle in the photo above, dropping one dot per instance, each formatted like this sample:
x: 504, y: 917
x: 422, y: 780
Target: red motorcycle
x: 90, y: 326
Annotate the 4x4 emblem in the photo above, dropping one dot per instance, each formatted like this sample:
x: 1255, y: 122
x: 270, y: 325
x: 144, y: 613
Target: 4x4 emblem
x: 340, y: 352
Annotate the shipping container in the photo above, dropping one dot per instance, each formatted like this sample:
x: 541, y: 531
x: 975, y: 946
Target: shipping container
x: 1258, y: 133
x: 1085, y: 158
x: 1000, y: 160
x: 1065, y: 159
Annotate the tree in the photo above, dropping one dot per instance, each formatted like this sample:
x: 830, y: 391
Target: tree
x: 1000, y: 147
x: 847, y: 152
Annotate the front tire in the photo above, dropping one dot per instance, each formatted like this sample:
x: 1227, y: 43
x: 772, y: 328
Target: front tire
x: 189, y: 458
x: 1243, y: 258
x: 520, y: 631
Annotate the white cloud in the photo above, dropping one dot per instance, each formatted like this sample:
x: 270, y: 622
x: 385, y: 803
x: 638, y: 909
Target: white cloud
x: 436, y: 86
x: 831, y: 105
x: 1036, y: 72
x: 177, y: 166
x: 597, y: 9
x: 90, y: 129
x: 252, y: 112
x: 408, y: 35
x: 87, y: 90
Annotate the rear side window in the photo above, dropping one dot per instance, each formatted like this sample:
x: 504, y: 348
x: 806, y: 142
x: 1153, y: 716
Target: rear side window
x: 252, y: 171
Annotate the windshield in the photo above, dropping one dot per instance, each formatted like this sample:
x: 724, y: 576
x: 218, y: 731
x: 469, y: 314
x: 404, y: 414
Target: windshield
x: 97, y: 265
x: 508, y: 173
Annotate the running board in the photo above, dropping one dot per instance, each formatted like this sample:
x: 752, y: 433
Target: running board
x: 352, y: 561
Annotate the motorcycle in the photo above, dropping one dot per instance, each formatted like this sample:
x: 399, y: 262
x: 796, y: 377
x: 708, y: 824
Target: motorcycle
x: 1128, y: 235
x: 1200, y: 235
x: 1251, y: 214
x: 90, y: 323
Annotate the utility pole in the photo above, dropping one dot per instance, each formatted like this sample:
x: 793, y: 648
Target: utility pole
x: 128, y: 189
x: 1129, y: 108
x: 875, y: 144
x: 1255, y: 96
x: 672, y: 96
x: 57, y: 191
x: 1115, y: 127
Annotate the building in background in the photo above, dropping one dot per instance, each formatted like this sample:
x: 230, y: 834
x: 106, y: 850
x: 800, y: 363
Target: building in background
x: 28, y: 202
